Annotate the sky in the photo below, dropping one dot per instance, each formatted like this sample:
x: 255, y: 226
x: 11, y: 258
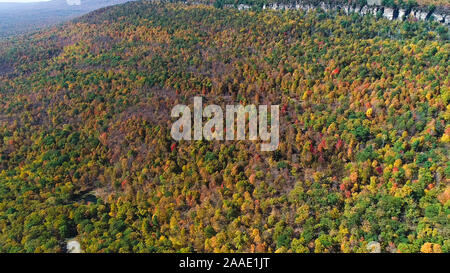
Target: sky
x: 70, y: 2
x: 22, y: 1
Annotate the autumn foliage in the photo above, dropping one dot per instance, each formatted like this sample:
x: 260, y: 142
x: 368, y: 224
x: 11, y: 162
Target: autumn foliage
x: 363, y: 154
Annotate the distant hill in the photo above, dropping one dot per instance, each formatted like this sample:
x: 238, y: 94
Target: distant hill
x: 22, y: 17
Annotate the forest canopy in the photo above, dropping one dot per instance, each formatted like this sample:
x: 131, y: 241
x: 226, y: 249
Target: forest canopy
x: 86, y: 152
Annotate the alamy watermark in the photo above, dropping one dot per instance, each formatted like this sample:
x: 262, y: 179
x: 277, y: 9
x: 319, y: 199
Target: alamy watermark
x: 235, y: 129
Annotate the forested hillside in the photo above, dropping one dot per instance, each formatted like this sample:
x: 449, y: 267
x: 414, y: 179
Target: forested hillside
x: 86, y: 151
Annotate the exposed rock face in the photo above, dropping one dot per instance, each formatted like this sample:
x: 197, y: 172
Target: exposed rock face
x: 440, y: 17
x: 374, y: 2
x: 373, y: 7
x: 401, y: 14
x: 389, y: 13
x: 243, y: 7
x: 421, y: 15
